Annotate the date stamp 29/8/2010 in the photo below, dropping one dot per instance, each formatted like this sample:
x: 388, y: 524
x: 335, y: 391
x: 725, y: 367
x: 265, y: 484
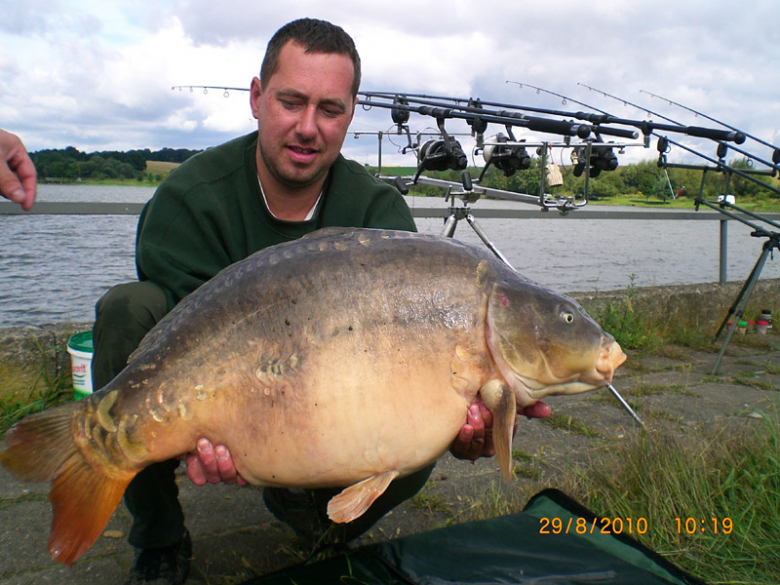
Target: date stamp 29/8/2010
x: 631, y: 526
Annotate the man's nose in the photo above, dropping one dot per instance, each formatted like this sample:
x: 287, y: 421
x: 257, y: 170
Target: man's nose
x: 307, y: 123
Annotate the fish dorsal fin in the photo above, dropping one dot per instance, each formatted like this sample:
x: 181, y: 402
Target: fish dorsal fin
x: 499, y: 398
x: 357, y: 498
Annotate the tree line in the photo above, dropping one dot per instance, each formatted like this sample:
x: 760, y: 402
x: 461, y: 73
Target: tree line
x: 71, y: 164
x: 643, y: 179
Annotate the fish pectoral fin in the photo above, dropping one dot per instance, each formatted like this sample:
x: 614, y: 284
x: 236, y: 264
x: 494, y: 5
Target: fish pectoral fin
x: 83, y: 496
x: 500, y: 399
x: 356, y: 499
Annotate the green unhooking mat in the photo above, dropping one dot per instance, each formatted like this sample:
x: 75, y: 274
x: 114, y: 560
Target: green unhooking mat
x: 520, y: 549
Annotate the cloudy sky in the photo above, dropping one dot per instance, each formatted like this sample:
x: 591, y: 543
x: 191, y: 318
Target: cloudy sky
x: 97, y: 74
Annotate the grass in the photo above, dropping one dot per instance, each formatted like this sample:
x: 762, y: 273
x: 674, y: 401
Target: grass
x: 569, y: 423
x: 428, y: 503
x: 748, y: 379
x: 496, y: 500
x: 768, y: 205
x: 652, y: 389
x: 730, y: 480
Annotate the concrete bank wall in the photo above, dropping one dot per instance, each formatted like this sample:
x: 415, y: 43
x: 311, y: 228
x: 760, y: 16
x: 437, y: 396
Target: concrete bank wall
x: 27, y: 351
x: 704, y: 304
x: 29, y: 354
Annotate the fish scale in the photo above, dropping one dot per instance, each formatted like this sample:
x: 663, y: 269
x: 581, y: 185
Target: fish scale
x: 347, y: 358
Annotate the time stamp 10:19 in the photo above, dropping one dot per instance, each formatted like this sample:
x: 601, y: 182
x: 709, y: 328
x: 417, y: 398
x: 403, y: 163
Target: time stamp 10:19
x: 628, y: 525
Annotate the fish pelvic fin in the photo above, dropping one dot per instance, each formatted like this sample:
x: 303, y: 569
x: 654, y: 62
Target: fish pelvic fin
x: 41, y: 447
x: 500, y: 399
x: 356, y: 499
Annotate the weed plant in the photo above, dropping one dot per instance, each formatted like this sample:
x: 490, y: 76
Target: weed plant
x: 630, y: 327
x: 635, y: 329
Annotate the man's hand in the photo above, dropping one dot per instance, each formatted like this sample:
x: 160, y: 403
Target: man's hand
x: 18, y: 179
x: 212, y: 465
x: 537, y: 410
x: 475, y: 439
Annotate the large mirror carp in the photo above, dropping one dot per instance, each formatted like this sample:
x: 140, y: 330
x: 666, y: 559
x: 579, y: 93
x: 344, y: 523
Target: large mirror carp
x: 346, y: 358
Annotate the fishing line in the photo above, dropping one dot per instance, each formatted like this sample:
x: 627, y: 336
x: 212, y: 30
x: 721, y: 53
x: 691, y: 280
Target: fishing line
x: 626, y: 405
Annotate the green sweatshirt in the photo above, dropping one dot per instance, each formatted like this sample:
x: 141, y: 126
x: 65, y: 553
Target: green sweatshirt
x: 209, y: 213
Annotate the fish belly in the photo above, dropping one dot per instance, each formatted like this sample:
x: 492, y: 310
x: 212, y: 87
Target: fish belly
x: 348, y: 425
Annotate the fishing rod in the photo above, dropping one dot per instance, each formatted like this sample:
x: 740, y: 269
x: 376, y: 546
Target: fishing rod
x: 481, y: 117
x: 648, y: 127
x: 507, y: 154
x: 476, y: 107
x: 564, y: 99
x: 206, y: 88
x: 721, y: 145
x: 720, y: 165
x: 722, y: 148
x: 775, y: 149
x: 775, y: 154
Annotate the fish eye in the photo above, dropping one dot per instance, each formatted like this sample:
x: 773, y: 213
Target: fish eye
x: 567, y: 316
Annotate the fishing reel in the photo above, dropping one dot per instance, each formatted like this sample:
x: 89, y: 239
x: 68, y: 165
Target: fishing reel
x: 441, y: 154
x: 600, y: 158
x: 508, y: 158
x: 663, y: 149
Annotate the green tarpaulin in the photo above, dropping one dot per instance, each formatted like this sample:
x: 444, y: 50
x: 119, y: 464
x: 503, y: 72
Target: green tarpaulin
x: 508, y: 549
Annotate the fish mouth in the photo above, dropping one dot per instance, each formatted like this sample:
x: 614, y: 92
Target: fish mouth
x: 610, y: 357
x: 536, y: 392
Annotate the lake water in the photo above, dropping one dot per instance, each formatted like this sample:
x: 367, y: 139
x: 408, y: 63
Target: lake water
x: 53, y: 268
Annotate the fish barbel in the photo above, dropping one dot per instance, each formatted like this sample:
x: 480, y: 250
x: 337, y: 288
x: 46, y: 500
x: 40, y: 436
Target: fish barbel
x: 346, y: 358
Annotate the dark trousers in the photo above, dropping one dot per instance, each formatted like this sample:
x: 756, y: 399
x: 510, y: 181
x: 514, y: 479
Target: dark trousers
x: 123, y: 316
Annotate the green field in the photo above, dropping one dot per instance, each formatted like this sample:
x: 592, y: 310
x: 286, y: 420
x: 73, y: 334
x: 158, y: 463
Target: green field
x: 157, y: 167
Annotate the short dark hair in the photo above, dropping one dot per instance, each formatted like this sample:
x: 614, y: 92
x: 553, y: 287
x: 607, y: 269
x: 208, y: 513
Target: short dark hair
x: 317, y: 36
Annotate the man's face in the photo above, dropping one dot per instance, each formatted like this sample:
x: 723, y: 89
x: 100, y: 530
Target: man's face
x: 303, y: 116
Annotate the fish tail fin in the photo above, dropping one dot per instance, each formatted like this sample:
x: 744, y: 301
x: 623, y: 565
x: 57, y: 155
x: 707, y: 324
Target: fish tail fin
x: 498, y: 397
x: 41, y: 447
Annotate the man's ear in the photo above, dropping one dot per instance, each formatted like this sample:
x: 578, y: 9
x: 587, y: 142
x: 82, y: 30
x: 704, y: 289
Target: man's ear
x: 255, y: 91
x: 354, y: 108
